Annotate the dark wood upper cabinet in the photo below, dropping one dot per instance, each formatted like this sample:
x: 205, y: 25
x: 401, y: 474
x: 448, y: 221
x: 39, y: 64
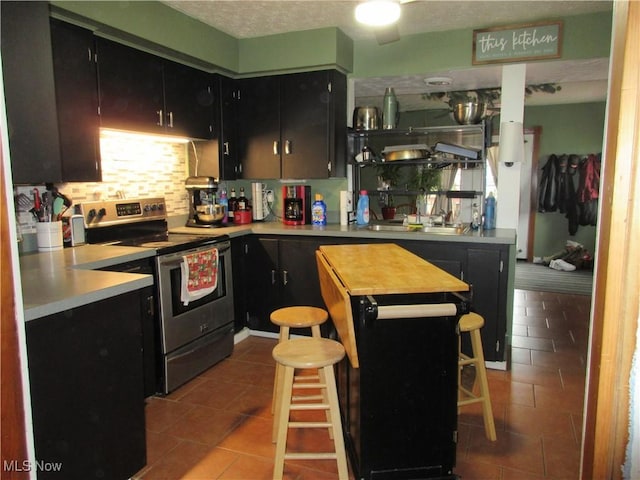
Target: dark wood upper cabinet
x: 27, y: 68
x: 293, y: 126
x: 131, y: 88
x: 51, y: 95
x: 189, y: 100
x: 226, y: 127
x: 259, y: 127
x: 143, y: 92
x: 77, y: 101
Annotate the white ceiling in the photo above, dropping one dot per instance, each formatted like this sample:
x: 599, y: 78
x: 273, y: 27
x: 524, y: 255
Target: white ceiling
x: 580, y: 80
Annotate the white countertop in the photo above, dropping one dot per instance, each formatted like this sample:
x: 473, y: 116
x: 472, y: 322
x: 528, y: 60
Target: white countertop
x: 56, y: 281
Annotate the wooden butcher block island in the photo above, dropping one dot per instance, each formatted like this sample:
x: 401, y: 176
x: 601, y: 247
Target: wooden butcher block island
x: 396, y: 315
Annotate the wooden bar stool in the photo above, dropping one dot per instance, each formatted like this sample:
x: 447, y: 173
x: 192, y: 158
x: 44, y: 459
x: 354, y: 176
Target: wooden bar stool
x: 309, y: 353
x: 297, y: 317
x: 472, y: 323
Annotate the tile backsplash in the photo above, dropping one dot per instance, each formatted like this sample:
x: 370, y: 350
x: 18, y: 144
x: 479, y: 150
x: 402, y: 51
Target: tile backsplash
x: 133, y: 166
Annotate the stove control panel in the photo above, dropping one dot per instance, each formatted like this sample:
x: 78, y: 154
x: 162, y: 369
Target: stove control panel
x: 105, y: 213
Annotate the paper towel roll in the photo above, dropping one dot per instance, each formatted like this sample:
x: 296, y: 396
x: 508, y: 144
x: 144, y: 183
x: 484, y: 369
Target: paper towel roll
x: 511, y: 148
x: 346, y: 206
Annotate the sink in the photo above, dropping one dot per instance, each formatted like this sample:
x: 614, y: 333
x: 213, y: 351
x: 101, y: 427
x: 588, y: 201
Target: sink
x: 441, y: 230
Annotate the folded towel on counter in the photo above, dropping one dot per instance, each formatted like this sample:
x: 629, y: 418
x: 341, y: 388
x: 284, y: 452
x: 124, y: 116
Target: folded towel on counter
x: 199, y: 275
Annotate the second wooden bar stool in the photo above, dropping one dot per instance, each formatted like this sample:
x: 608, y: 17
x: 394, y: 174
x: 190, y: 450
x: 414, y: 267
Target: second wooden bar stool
x: 472, y: 323
x: 309, y: 353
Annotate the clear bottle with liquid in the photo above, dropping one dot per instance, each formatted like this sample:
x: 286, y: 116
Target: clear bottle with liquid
x: 475, y: 217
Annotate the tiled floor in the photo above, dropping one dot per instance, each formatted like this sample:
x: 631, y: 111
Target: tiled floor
x: 219, y: 425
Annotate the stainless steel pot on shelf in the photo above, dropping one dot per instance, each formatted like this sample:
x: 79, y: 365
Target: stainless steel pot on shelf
x: 366, y: 118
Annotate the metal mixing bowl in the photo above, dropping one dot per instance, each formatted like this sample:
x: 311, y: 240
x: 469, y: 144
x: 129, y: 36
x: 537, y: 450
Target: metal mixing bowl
x: 210, y: 213
x: 469, y: 113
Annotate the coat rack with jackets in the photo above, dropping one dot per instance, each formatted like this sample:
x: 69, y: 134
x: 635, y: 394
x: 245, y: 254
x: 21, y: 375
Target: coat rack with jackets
x: 569, y: 184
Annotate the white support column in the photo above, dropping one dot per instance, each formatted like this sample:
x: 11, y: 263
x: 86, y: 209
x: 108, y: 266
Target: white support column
x: 512, y: 110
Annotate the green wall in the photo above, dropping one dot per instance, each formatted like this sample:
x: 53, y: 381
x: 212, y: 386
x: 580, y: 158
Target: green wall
x: 151, y: 22
x: 290, y: 51
x: 575, y: 128
x: 585, y: 36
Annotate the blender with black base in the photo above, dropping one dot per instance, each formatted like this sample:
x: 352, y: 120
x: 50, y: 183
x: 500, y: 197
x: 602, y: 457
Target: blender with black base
x: 203, y: 209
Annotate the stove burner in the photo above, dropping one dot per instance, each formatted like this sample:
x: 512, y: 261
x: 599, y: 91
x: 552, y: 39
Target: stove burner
x: 156, y: 244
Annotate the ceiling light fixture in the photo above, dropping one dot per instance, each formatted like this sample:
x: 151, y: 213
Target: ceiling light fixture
x: 378, y: 13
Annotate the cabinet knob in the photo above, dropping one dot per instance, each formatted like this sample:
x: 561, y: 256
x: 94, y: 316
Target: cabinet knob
x: 170, y: 124
x: 284, y: 277
x: 160, y: 120
x: 276, y: 147
x: 226, y: 148
x: 287, y: 147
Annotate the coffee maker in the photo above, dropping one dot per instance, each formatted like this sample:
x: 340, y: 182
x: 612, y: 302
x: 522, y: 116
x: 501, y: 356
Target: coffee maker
x: 296, y: 204
x: 203, y: 209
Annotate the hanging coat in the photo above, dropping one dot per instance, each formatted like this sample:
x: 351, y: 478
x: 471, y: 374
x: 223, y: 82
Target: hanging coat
x: 570, y: 195
x: 548, y: 186
x: 589, y: 190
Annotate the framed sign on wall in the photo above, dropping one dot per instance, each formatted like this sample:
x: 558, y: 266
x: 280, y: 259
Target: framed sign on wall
x: 515, y: 43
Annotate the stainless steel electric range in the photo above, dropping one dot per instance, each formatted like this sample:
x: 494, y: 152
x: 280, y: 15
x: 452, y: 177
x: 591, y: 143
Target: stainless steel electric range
x: 188, y: 338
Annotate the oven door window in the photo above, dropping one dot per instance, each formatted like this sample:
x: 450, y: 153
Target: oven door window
x: 176, y: 278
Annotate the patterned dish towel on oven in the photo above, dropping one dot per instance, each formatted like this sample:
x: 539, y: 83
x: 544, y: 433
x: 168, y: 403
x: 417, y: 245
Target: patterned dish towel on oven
x: 199, y: 275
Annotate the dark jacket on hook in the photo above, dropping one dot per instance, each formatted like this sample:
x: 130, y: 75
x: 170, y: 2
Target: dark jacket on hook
x: 547, y: 197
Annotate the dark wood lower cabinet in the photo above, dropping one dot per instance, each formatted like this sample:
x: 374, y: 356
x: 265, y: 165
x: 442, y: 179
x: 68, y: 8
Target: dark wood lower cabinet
x: 86, y: 381
x: 281, y: 271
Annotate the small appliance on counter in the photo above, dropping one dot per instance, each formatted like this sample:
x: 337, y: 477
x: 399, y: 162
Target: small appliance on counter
x: 259, y: 199
x: 203, y: 209
x: 296, y: 205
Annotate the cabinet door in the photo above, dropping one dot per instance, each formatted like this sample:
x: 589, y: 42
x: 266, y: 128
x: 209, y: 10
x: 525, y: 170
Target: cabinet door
x: 259, y: 127
x: 263, y: 283
x: 485, y: 273
x: 27, y: 68
x: 131, y: 88
x: 241, y: 280
x: 305, y: 107
x: 86, y: 381
x: 77, y: 101
x: 189, y: 101
x: 299, y: 273
x: 227, y: 125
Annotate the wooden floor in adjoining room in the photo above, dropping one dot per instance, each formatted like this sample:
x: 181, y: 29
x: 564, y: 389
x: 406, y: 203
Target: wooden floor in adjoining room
x: 218, y: 426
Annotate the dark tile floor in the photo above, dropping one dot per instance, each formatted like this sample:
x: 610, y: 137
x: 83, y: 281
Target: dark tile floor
x: 218, y: 426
